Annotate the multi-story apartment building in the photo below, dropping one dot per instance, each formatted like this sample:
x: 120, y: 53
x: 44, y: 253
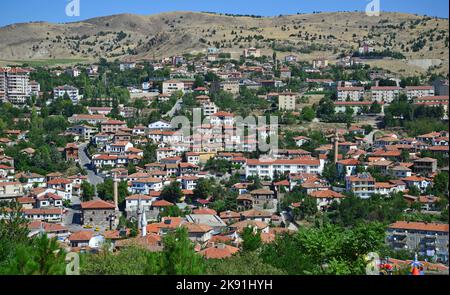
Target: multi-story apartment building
x: 413, y: 92
x: 10, y: 190
x: 320, y: 63
x: 425, y: 166
x: 357, y: 106
x: 209, y: 108
x: 112, y: 126
x: 14, y: 85
x: 222, y: 119
x: 434, y: 101
x: 86, y: 132
x: 72, y: 93
x: 362, y: 185
x: 91, y: 119
x: 286, y: 101
x: 35, y: 88
x: 171, y: 86
x: 385, y: 93
x: 427, y: 239
x: 350, y: 93
x: 282, y: 166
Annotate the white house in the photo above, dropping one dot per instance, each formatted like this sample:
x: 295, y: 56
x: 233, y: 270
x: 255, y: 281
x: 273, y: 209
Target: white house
x: 71, y: 91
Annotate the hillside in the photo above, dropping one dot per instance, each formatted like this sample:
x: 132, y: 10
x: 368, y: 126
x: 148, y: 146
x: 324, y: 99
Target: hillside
x: 423, y: 40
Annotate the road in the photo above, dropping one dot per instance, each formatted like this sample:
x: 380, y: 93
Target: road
x: 85, y: 162
x: 369, y: 137
x: 175, y: 108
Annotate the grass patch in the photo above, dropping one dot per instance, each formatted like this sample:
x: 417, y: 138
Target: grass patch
x: 45, y: 62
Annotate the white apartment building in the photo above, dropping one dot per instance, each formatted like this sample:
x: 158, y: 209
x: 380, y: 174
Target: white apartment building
x: 172, y: 86
x: 385, y: 93
x: 14, y: 85
x: 35, y: 88
x: 268, y: 169
x: 222, y: 118
x: 71, y: 91
x: 351, y: 93
x: 413, y: 92
x: 286, y: 101
x: 252, y: 52
x: 362, y: 185
x: 209, y: 108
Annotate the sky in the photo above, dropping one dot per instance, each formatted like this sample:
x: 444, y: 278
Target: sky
x: 17, y: 11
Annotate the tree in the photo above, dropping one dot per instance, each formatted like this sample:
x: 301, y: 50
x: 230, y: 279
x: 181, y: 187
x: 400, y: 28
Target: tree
x: 326, y: 249
x: 204, y: 188
x: 440, y: 184
x: 375, y: 108
x: 13, y: 230
x: 404, y: 155
x: 179, y: 257
x: 414, y: 191
x: 41, y: 257
x: 330, y: 172
x: 105, y: 190
x: 248, y: 263
x: 325, y: 110
x: 88, y: 191
x: 308, y: 207
x: 308, y: 114
x: 172, y: 192
x: 251, y: 239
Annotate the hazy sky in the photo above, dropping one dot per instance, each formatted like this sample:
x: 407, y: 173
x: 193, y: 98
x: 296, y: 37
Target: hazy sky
x: 14, y: 11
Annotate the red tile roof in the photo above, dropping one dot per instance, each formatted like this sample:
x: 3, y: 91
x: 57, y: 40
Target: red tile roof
x: 97, y: 204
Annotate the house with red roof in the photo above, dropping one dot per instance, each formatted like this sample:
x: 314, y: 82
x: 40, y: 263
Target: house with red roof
x: 99, y: 213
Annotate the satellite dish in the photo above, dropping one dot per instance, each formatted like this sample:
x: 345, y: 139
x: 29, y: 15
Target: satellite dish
x: 96, y: 242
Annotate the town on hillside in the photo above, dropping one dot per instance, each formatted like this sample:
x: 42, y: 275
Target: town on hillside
x: 95, y: 157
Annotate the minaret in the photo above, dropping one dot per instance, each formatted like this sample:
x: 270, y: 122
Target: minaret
x: 116, y: 193
x: 336, y: 146
x: 143, y: 223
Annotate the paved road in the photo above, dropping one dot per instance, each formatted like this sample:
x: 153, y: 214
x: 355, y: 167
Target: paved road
x: 176, y: 107
x: 369, y: 137
x: 86, y: 163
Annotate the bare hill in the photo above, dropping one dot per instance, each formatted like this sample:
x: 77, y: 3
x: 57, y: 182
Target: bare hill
x: 135, y: 37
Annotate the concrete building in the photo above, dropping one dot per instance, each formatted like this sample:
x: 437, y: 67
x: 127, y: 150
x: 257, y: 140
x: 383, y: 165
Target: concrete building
x: 282, y: 166
x: 427, y: 239
x: 230, y: 86
x: 10, y: 190
x: 350, y: 93
x: 252, y: 52
x: 14, y: 85
x: 171, y: 86
x: 286, y: 101
x: 72, y: 92
x: 385, y: 93
x: 425, y: 166
x: 413, y: 92
x: 434, y: 101
x: 362, y: 185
